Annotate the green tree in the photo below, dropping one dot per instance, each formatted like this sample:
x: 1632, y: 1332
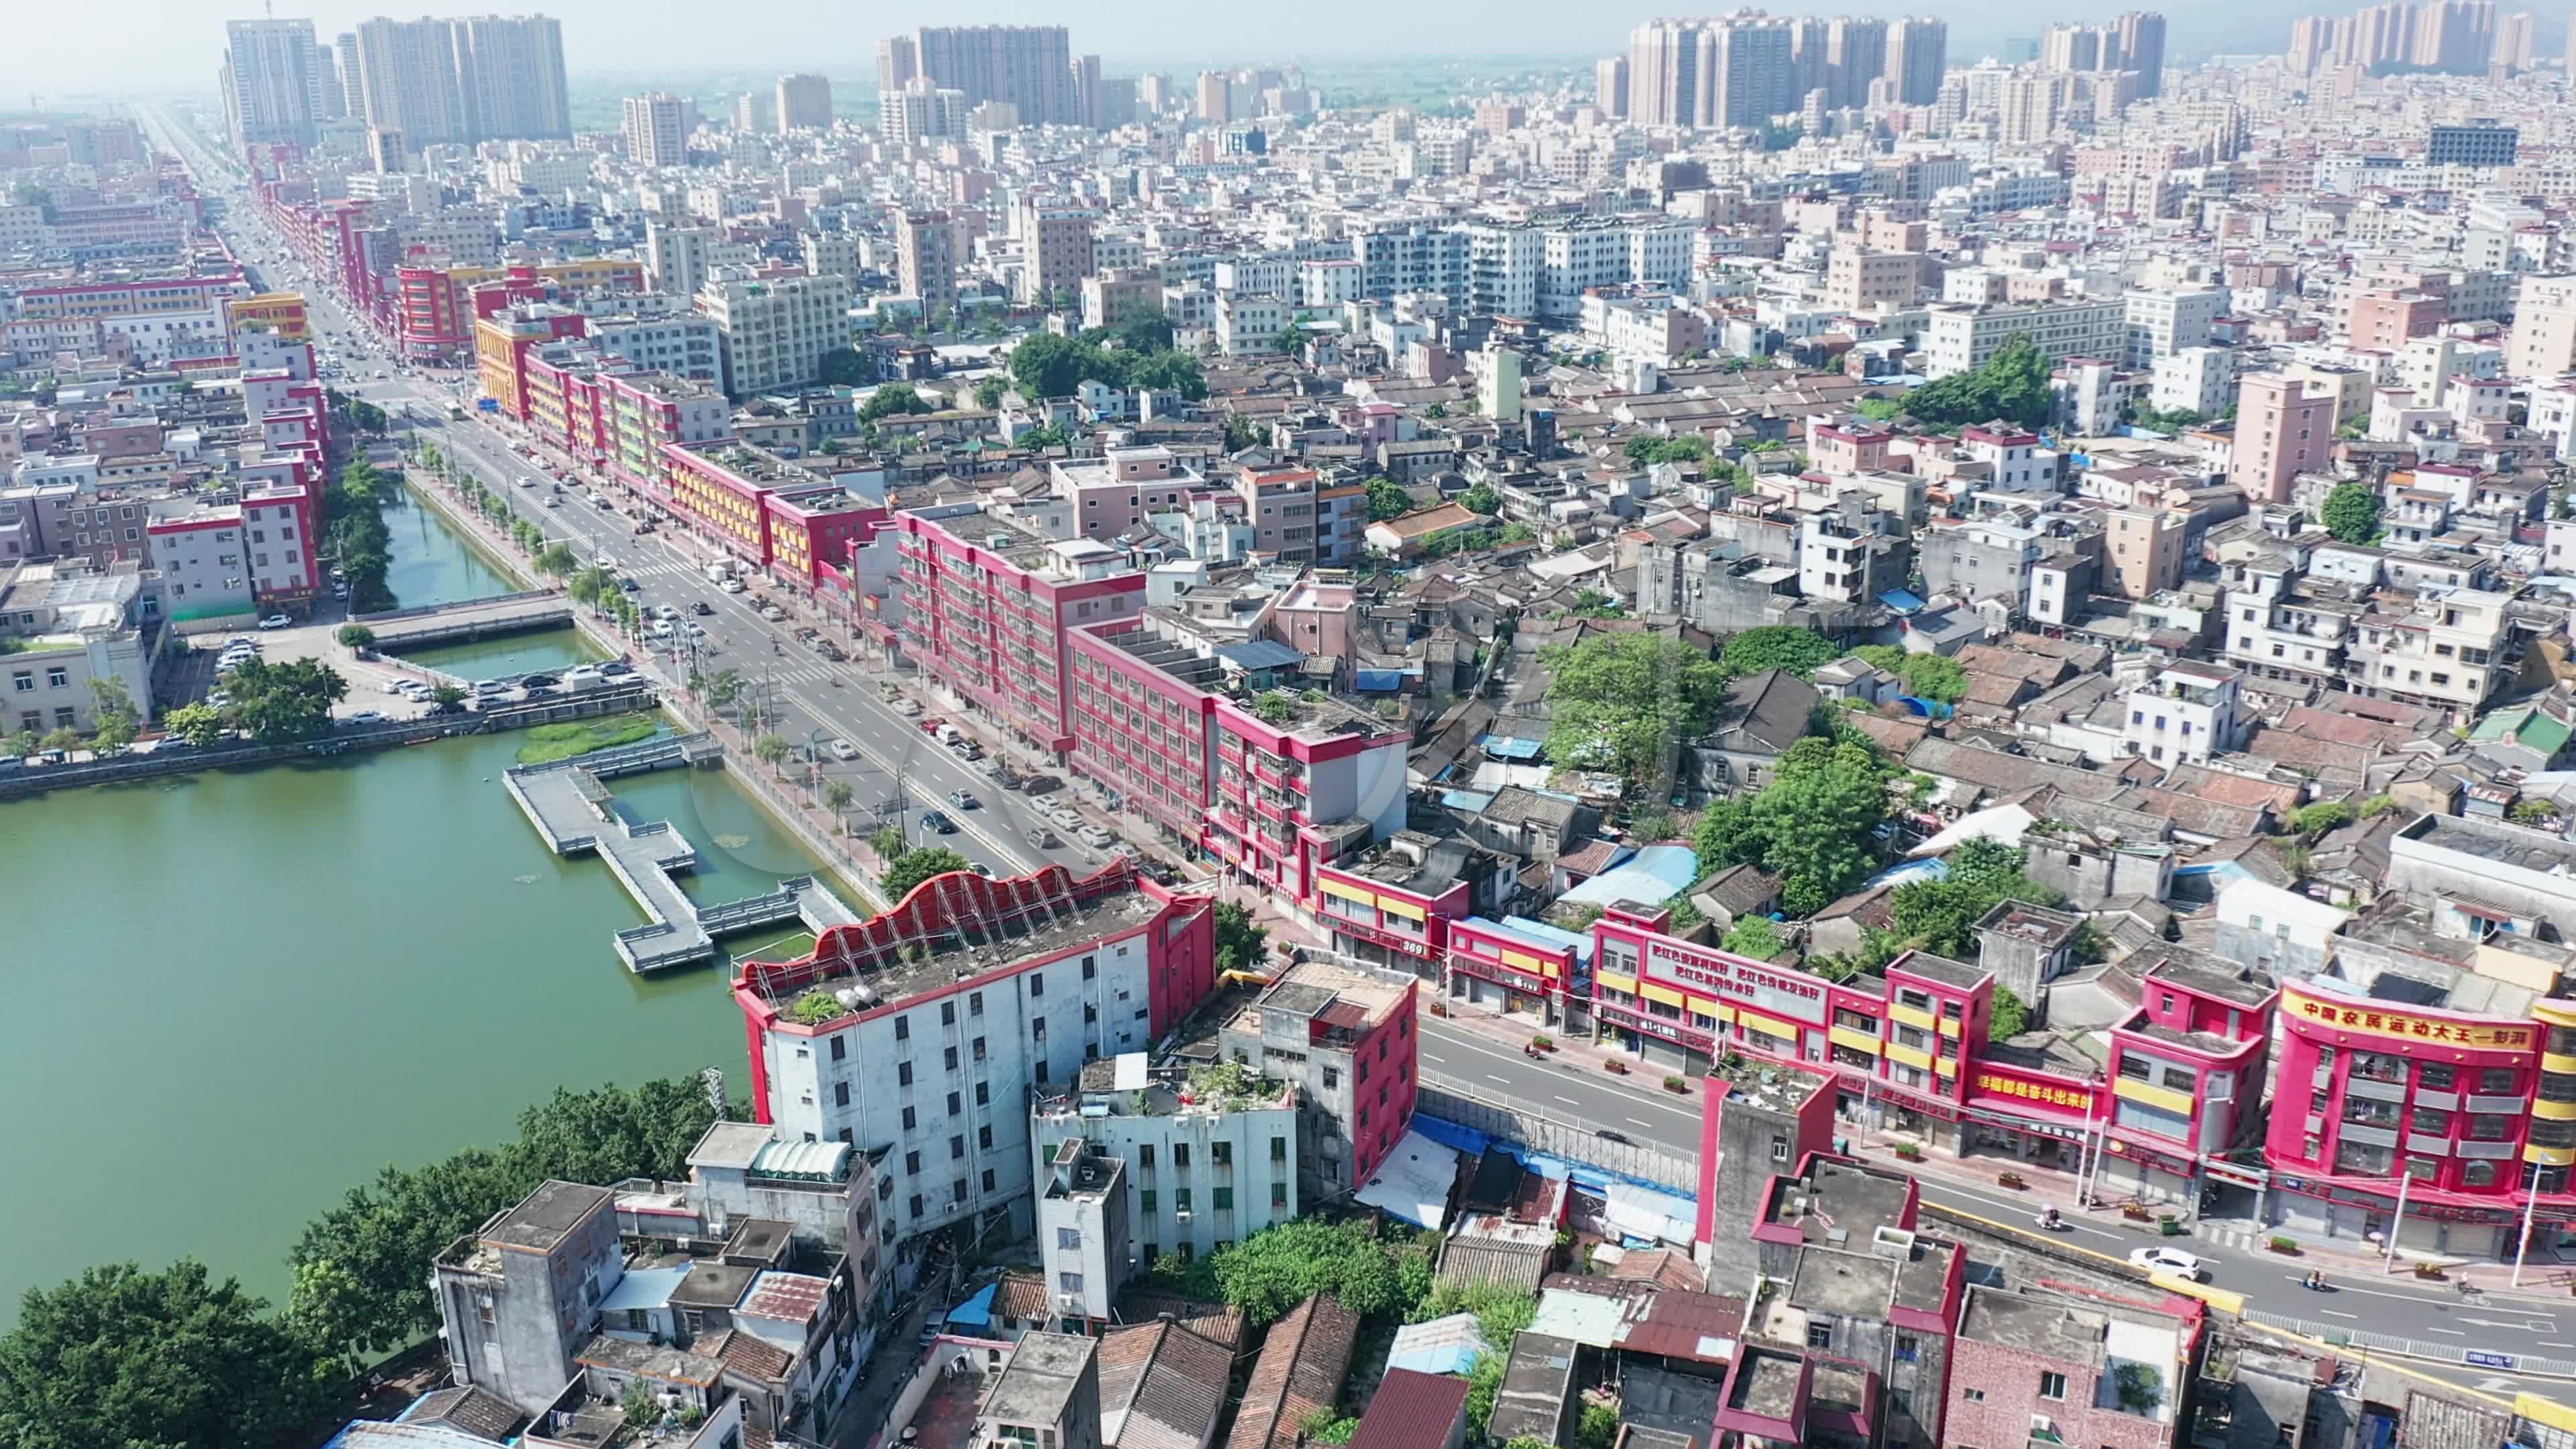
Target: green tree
x: 1879, y: 409
x: 355, y: 636
x: 1482, y: 498
x: 1387, y: 499
x: 1282, y: 1266
x: 2351, y: 512
x: 65, y: 739
x: 2008, y: 1017
x: 919, y: 864
x: 2012, y: 387
x: 199, y: 724
x: 121, y: 1357
x: 447, y: 696
x: 1238, y: 940
x: 557, y: 560
x: 887, y: 842
x: 117, y: 721
x: 1943, y: 914
x: 837, y: 796
x: 844, y: 367
x: 1624, y: 700
x: 724, y: 688
x: 1730, y: 833
x: 1755, y: 936
x: 609, y: 1133
x: 1647, y: 449
x: 988, y: 393
x: 1599, y: 1428
x: 2321, y: 816
x: 892, y: 399
x: 772, y: 750
x: 1926, y: 676
x: 1290, y: 340
x: 1818, y: 819
x: 278, y: 703
x: 1778, y: 646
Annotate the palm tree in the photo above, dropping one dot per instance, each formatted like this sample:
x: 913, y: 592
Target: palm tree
x: 724, y: 688
x: 837, y: 796
x: 772, y: 750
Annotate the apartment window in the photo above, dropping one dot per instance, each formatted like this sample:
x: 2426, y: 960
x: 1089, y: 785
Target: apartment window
x: 1146, y: 1199
x: 903, y: 1028
x: 840, y: 1047
x: 903, y: 1073
x: 975, y: 1003
x: 948, y: 1013
x: 1089, y: 970
x: 1332, y: 1078
x: 2052, y: 1386
x: 1145, y: 1156
x: 948, y: 1056
x: 1907, y: 1349
x: 840, y: 1094
x: 1037, y: 984
x: 57, y: 678
x: 1180, y: 1199
x: 984, y: 1138
x: 1225, y: 1199
x: 983, y: 1094
x: 2496, y: 1080
x: 2434, y: 1076
x: 910, y: 1119
x: 1181, y: 1155
x: 1279, y: 1149
x: 956, y: 1147
x: 1042, y: 1073
x: 1279, y: 1194
x: 1037, y: 1028
x: 956, y: 1104
x: 912, y: 1164
x: 1820, y: 1335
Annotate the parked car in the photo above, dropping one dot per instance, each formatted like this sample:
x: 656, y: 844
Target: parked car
x: 963, y: 799
x: 773, y: 613
x: 275, y: 621
x: 908, y: 708
x: 937, y: 821
x: 1097, y: 837
x: 732, y: 586
x: 615, y: 669
x: 701, y: 608
x: 2171, y: 1260
x: 1040, y: 838
x: 362, y: 717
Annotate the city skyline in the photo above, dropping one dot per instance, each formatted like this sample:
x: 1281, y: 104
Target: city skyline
x: 164, y: 43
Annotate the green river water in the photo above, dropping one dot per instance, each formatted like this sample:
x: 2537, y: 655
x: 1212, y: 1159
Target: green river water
x: 230, y: 995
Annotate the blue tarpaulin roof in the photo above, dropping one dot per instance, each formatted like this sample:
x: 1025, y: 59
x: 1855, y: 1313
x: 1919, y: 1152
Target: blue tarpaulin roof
x: 975, y: 1312
x: 1450, y: 1134
x: 1468, y: 799
x: 1901, y: 601
x: 1503, y: 747
x: 1260, y: 654
x: 1367, y: 679
x: 1654, y: 875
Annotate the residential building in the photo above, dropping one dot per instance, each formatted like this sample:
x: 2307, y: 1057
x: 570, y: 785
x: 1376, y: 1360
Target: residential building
x: 1027, y: 66
x: 2185, y: 714
x: 804, y: 102
x: 927, y: 1056
x: 1345, y: 1040
x: 2281, y: 432
x: 70, y: 629
x: 274, y: 82
x: 1963, y: 339
x: 656, y: 134
x: 1201, y: 1158
x: 2143, y: 550
x: 1055, y: 250
x: 1049, y: 1391
x: 990, y: 604
x: 775, y: 333
x: 519, y: 1296
x: 926, y: 258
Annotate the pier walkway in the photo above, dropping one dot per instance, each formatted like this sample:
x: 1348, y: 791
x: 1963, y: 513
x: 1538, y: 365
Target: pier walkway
x: 575, y: 812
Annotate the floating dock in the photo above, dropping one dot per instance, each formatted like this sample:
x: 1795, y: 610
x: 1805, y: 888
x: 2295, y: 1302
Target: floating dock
x: 570, y: 804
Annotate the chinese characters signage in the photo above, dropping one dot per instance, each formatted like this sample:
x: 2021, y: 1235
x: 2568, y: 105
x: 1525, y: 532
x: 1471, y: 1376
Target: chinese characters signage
x: 2033, y: 1091
x: 2412, y: 1025
x: 1738, y: 981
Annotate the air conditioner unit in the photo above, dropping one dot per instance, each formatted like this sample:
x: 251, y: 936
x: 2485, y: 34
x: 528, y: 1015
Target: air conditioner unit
x: 1069, y: 1302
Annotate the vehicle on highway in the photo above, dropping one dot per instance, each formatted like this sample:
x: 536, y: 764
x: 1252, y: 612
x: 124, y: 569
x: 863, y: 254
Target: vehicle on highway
x: 616, y: 668
x: 732, y: 586
x: 938, y: 822
x: 362, y: 717
x: 598, y: 499
x: 643, y: 528
x: 2171, y: 1260
x: 718, y: 573
x: 963, y: 799
x: 491, y: 688
x: 844, y: 750
x: 275, y: 621
x: 1097, y: 837
x: 628, y: 583
x: 773, y: 613
x: 967, y: 750
x: 980, y: 868
x: 527, y: 481
x: 661, y: 630
x: 701, y: 608
x: 554, y: 503
x: 604, y: 561
x: 665, y: 611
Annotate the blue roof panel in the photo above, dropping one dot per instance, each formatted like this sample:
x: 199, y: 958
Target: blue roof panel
x: 1260, y: 654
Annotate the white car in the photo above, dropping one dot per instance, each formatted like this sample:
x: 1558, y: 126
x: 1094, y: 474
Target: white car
x: 275, y: 621
x: 774, y: 614
x: 732, y: 586
x: 2171, y: 1260
x: 844, y: 750
x: 1095, y: 836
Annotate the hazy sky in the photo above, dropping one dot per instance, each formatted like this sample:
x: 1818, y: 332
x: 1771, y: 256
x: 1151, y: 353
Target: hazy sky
x: 59, y: 47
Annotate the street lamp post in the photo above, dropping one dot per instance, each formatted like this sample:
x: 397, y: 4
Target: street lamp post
x: 2397, y: 1223
x: 2530, y: 1210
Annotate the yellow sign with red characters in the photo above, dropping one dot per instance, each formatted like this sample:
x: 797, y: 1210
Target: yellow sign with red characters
x: 2399, y: 1022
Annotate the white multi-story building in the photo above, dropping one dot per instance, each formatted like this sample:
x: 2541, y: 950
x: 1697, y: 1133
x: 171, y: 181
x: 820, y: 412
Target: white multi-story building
x: 67, y: 629
x: 926, y: 1051
x: 683, y: 344
x: 2163, y: 323
x: 1606, y: 254
x: 774, y: 333
x: 2195, y: 380
x: 1208, y: 1154
x: 2442, y: 653
x: 1248, y: 325
x: 1963, y: 339
x: 2186, y: 713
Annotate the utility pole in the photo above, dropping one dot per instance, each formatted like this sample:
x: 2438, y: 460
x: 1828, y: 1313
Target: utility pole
x: 2405, y: 1180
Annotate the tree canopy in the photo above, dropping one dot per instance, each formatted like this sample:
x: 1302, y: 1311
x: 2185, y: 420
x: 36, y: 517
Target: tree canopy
x: 2351, y: 512
x: 1238, y: 940
x: 1482, y: 498
x: 1282, y: 1266
x: 893, y: 398
x: 1943, y: 914
x: 1778, y: 646
x: 1814, y: 825
x: 1926, y: 676
x: 1688, y: 448
x: 919, y: 864
x: 1387, y: 499
x: 2012, y: 386
x: 1624, y: 701
x: 138, y: 1360
x: 1045, y: 365
x: 354, y: 530
x: 278, y: 703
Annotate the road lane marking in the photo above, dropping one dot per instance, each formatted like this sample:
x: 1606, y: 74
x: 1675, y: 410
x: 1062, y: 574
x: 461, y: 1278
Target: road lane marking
x: 2339, y: 1313
x: 1569, y: 1101
x: 2437, y: 1328
x: 1649, y: 1126
x: 1491, y: 1078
